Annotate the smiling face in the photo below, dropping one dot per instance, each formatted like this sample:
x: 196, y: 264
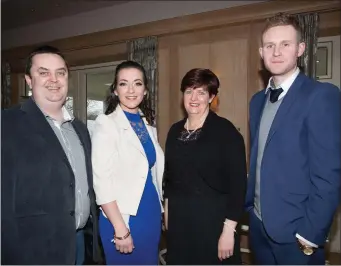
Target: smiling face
x: 280, y: 50
x: 130, y: 89
x: 196, y: 101
x: 48, y: 79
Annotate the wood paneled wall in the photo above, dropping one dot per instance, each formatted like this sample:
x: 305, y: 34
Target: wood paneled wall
x: 231, y: 51
x: 224, y: 40
x: 225, y: 51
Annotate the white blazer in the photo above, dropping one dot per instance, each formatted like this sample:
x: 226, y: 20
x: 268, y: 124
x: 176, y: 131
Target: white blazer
x: 120, y: 165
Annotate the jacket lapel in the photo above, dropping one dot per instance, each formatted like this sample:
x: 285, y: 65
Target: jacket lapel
x: 41, y: 127
x: 258, y: 111
x: 285, y: 106
x: 255, y: 117
x: 128, y: 131
x: 81, y: 137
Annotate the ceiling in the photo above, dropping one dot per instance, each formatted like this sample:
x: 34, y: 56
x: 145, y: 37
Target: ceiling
x: 17, y: 13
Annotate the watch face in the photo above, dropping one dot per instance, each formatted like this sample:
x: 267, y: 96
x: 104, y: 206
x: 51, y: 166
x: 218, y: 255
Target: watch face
x: 308, y: 251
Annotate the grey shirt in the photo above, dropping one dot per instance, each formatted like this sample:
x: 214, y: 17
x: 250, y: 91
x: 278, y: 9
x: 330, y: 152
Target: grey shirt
x: 74, y: 151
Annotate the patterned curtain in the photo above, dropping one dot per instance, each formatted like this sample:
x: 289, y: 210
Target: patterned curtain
x: 144, y: 51
x: 309, y: 24
x: 5, y: 85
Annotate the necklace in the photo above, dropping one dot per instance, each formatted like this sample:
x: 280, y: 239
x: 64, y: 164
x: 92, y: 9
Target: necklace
x: 190, y: 133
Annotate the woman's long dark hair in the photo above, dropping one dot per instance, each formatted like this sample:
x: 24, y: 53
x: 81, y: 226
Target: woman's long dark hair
x: 112, y: 100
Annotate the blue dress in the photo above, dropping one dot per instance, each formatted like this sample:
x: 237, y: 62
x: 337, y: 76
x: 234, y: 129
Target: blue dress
x: 145, y: 227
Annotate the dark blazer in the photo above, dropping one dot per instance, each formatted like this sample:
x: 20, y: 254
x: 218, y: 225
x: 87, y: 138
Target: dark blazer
x: 38, y: 193
x: 300, y: 173
x: 218, y: 158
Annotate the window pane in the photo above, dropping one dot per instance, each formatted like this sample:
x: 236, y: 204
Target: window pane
x: 69, y: 99
x: 97, y: 85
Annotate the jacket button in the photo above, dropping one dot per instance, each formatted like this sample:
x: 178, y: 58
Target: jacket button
x: 72, y: 213
x: 71, y: 185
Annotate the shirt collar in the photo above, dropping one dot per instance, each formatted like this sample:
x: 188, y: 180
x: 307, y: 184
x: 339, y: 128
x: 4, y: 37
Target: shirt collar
x: 67, y: 116
x: 285, y: 85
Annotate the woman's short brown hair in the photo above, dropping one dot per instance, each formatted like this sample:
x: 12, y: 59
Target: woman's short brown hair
x: 201, y: 77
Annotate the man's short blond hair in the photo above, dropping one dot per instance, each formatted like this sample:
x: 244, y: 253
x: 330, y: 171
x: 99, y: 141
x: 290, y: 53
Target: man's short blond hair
x: 282, y: 19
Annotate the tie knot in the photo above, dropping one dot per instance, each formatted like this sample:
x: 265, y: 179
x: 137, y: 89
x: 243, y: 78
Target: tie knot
x: 274, y: 94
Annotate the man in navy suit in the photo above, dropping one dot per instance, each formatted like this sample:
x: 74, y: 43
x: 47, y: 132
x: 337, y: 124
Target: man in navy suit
x: 294, y: 179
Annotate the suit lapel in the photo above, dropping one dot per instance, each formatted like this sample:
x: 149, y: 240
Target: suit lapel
x: 81, y: 137
x: 285, y: 106
x: 40, y: 126
x: 258, y: 110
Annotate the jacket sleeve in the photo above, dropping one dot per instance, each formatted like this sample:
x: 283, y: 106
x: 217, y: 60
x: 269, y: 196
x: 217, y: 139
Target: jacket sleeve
x: 323, y: 124
x: 165, y: 181
x: 167, y: 190
x: 237, y: 172
x: 104, y: 158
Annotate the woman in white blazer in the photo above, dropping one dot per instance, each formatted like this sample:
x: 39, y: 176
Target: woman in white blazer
x: 128, y: 167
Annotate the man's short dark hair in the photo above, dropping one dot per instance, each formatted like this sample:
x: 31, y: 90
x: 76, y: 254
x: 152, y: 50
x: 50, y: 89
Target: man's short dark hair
x: 45, y: 49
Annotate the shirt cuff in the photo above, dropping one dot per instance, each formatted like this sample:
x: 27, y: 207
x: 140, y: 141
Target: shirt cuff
x: 306, y: 241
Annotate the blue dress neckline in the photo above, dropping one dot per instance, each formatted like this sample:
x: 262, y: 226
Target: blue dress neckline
x: 133, y: 117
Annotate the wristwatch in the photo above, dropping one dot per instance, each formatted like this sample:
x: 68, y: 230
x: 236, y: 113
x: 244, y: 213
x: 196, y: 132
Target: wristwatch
x: 307, y: 250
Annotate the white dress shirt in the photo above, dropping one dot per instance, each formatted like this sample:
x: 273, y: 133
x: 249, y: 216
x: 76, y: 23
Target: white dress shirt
x: 285, y: 85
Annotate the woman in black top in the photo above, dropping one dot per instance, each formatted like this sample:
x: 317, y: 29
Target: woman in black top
x: 205, y: 179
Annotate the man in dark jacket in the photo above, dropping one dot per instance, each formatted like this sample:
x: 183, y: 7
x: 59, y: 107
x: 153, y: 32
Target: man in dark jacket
x: 48, y: 209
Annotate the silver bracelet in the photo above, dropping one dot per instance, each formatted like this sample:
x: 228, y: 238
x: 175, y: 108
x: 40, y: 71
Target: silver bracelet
x: 230, y: 227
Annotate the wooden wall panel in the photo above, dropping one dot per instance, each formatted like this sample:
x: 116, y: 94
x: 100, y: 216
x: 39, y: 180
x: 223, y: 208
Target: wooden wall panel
x: 164, y: 95
x: 190, y: 56
x: 229, y: 60
x: 226, y: 52
x: 330, y: 23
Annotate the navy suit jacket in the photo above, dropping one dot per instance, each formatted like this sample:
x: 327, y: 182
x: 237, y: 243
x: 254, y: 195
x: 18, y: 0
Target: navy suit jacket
x: 300, y: 169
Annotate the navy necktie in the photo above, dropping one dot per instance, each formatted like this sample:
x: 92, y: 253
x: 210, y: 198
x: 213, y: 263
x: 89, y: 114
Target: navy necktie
x: 274, y: 94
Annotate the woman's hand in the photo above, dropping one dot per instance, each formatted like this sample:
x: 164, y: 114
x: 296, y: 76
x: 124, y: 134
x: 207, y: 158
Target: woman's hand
x: 125, y: 245
x: 226, y: 243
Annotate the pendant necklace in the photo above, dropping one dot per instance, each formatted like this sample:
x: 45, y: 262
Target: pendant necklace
x: 190, y: 133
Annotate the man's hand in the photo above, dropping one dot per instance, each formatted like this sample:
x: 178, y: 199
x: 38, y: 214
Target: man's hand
x: 304, y: 243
